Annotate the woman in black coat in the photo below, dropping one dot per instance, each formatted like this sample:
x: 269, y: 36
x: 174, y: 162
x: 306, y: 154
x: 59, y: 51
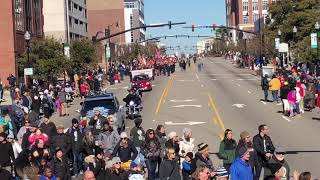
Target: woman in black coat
x: 60, y: 165
x: 169, y: 168
x: 97, y: 166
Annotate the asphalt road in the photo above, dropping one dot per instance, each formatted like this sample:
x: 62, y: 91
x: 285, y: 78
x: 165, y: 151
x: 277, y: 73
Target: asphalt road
x: 222, y: 96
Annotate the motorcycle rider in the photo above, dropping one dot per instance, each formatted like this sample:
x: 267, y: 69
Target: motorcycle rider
x: 132, y: 97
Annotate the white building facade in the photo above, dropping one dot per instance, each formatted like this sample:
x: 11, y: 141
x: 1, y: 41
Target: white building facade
x: 65, y: 20
x: 134, y: 17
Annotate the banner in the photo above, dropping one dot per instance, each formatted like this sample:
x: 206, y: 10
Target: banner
x: 314, y: 41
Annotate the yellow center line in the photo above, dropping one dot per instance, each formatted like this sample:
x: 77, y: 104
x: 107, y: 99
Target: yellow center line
x: 169, y: 87
x: 214, y: 120
x: 162, y: 96
x: 214, y: 108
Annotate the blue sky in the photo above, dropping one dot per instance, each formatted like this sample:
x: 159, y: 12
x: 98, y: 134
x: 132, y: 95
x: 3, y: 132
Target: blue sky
x: 198, y: 12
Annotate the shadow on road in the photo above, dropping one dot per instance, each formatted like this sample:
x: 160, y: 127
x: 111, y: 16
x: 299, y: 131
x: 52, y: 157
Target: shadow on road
x: 297, y: 152
x: 316, y: 119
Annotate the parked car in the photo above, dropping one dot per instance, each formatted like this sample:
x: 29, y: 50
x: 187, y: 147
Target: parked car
x: 142, y: 81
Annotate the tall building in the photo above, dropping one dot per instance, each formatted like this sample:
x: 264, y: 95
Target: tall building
x: 106, y: 13
x: 246, y: 14
x: 17, y: 17
x: 65, y: 19
x: 134, y: 17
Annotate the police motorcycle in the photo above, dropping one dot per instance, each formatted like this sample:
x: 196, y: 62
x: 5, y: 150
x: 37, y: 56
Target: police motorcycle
x: 133, y: 104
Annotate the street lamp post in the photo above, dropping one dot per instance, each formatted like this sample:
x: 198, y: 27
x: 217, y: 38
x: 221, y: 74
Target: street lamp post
x: 294, y: 30
x: 317, y: 27
x: 279, y: 54
x: 27, y: 37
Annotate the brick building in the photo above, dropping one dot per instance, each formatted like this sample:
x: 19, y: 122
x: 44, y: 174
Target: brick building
x: 17, y: 17
x: 101, y: 15
x: 246, y: 14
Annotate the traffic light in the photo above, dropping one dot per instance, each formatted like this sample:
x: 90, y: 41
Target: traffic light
x: 193, y: 27
x: 144, y: 27
x: 169, y: 24
x: 107, y: 32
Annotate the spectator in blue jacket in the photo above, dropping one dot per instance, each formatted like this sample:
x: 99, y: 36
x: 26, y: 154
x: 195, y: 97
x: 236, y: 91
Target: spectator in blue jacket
x: 240, y: 168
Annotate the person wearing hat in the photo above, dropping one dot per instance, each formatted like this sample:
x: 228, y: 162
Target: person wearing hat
x: 48, y: 127
x: 277, y: 172
x: 60, y: 165
x: 115, y: 172
x: 278, y: 158
x: 97, y: 122
x: 125, y: 149
x: 75, y: 132
x: 173, y: 142
x: 202, y: 157
x: 187, y: 143
x: 227, y: 149
x: 222, y: 174
x: 61, y: 140
x: 246, y: 141
x: 240, y: 168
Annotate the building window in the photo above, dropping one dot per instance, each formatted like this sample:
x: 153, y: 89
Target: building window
x: 80, y: 8
x: 37, y: 17
x: 69, y: 5
x: 255, y: 17
x: 86, y: 27
x: 76, y: 21
x: 265, y: 5
x: 85, y: 13
x: 245, y: 6
x: 28, y: 16
x: 18, y: 15
x: 70, y: 22
x: 255, y: 5
x: 85, y: 1
x: 75, y: 6
x: 245, y: 19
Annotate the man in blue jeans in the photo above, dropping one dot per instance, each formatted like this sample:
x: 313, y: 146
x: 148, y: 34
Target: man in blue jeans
x: 76, y: 134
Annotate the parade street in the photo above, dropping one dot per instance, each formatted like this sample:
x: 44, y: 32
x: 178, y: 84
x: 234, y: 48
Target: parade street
x: 219, y: 97
x: 222, y: 96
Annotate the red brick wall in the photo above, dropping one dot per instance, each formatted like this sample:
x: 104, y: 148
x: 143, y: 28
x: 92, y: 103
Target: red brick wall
x: 100, y: 19
x: 7, y: 59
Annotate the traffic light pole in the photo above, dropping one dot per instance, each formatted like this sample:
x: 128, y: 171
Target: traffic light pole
x: 95, y: 39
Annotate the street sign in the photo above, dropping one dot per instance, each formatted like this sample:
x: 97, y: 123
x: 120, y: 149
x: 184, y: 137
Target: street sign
x: 66, y: 51
x: 28, y: 71
x: 107, y: 51
x: 314, y: 41
x: 277, y: 43
x: 283, y: 47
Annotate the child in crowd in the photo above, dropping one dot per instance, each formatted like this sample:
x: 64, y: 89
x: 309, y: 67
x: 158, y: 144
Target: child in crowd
x: 186, y: 166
